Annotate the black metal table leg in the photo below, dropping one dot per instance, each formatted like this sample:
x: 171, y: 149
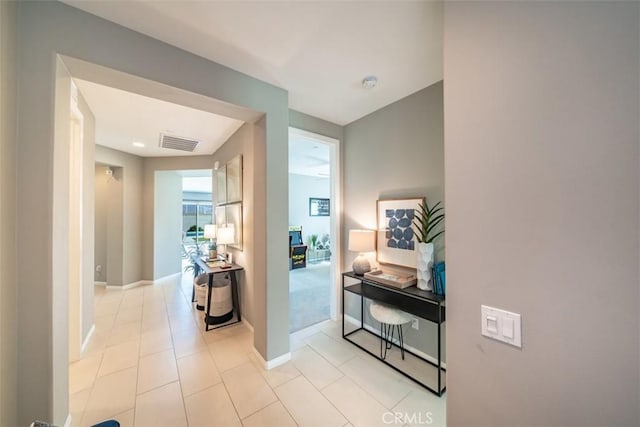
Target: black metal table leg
x: 234, y: 294
x: 342, y: 307
x: 208, y: 308
x: 439, y: 326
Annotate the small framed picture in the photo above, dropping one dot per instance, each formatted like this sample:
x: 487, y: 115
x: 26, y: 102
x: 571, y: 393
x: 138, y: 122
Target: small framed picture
x: 396, y: 242
x: 319, y: 206
x: 234, y: 179
x: 233, y: 215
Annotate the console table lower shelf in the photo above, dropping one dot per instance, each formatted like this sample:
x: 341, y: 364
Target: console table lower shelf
x: 212, y: 322
x: 430, y: 374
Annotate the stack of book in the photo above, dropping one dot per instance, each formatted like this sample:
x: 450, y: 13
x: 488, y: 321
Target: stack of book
x: 439, y: 279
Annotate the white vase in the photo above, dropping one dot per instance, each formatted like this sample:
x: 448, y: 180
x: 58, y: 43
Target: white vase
x: 424, y: 265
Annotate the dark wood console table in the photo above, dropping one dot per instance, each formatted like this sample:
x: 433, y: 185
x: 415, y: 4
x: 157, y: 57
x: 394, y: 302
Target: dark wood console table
x: 211, y: 271
x: 423, y: 304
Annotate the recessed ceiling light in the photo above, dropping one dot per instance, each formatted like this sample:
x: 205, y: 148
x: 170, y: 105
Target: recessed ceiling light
x: 138, y: 144
x: 369, y: 82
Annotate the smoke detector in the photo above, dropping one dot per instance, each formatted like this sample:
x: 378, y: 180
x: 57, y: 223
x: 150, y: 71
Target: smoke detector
x: 369, y: 82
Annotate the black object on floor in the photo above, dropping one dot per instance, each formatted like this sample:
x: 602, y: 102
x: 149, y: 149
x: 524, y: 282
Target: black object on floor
x: 108, y: 423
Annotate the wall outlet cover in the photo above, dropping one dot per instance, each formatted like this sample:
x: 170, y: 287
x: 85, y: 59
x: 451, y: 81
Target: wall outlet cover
x: 501, y: 325
x: 415, y: 323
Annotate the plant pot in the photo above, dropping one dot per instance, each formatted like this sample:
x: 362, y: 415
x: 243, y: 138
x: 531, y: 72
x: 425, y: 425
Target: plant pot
x: 213, y: 254
x: 424, y: 265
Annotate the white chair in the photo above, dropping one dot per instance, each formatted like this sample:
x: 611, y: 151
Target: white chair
x: 390, y: 318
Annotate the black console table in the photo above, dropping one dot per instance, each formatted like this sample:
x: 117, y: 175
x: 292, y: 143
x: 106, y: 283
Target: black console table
x: 423, y: 304
x: 211, y: 271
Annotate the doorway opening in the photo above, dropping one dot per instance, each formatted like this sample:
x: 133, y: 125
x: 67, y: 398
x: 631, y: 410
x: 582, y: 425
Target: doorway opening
x: 313, y: 229
x: 197, y: 210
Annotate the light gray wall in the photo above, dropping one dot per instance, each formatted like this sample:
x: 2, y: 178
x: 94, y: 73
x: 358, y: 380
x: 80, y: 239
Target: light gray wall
x: 264, y: 332
x: 115, y: 228
x: 47, y: 28
x: 167, y: 224
x: 309, y: 123
x: 8, y: 284
x: 125, y: 211
x: 101, y: 234
x: 88, y: 214
x: 541, y: 125
x: 395, y: 152
x: 243, y: 142
x: 135, y: 177
x: 301, y: 187
x: 57, y: 335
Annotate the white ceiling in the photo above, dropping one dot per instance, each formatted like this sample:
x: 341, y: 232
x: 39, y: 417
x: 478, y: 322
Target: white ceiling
x: 318, y: 51
x: 124, y: 117
x: 308, y: 156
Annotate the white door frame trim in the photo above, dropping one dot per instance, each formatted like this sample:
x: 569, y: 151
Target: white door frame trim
x: 336, y: 213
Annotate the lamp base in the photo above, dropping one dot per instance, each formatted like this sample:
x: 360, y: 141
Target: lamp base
x: 361, y: 265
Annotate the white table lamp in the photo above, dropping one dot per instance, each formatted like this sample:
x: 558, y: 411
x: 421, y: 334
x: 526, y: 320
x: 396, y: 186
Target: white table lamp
x: 226, y: 236
x: 361, y: 241
x: 210, y: 233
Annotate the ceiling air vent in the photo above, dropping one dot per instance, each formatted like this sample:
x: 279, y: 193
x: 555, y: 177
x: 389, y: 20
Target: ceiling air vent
x: 178, y: 143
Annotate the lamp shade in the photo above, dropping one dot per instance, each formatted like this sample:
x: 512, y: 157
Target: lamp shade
x: 362, y: 240
x: 210, y: 231
x: 226, y: 234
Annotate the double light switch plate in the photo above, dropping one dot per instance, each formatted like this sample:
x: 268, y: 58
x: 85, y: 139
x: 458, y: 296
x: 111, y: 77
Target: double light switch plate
x: 501, y: 325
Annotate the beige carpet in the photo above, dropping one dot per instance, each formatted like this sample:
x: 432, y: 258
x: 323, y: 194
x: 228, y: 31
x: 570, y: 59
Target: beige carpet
x: 309, y: 293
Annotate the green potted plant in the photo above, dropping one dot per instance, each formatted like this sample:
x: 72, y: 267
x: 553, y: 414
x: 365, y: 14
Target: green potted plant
x: 426, y: 222
x: 213, y: 249
x: 314, y: 240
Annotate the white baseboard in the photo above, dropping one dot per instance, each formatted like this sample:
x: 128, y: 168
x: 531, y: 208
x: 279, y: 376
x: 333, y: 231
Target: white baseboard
x: 87, y: 338
x: 168, y: 277
x: 247, y: 324
x: 412, y: 349
x: 144, y: 282
x: 100, y: 283
x: 130, y: 285
x: 273, y: 363
x: 309, y: 330
x: 67, y: 422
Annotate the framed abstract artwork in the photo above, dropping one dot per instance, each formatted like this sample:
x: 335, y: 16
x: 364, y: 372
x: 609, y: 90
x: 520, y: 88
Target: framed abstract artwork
x: 396, y: 242
x: 319, y: 206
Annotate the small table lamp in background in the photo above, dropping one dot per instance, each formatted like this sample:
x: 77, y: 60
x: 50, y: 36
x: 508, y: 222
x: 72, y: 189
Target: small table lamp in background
x: 226, y: 235
x: 361, y: 241
x: 210, y: 233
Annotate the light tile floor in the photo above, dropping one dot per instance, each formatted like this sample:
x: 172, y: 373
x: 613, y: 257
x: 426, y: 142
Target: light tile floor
x: 150, y: 363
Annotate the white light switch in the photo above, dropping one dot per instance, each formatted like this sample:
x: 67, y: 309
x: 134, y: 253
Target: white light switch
x: 492, y: 324
x: 507, y: 327
x: 501, y: 325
